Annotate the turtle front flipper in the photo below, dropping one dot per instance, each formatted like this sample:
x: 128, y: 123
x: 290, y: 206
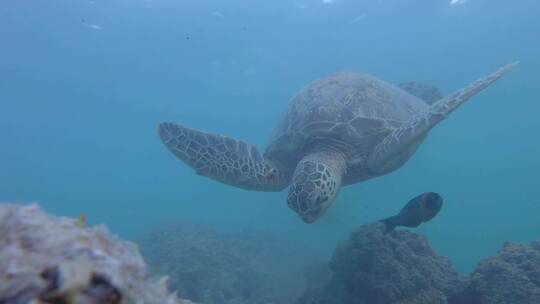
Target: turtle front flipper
x: 224, y: 159
x: 404, y: 137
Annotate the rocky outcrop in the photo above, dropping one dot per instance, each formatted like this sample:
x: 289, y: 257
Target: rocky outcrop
x: 374, y: 268
x: 512, y: 276
x: 210, y: 267
x: 48, y: 259
x: 401, y: 267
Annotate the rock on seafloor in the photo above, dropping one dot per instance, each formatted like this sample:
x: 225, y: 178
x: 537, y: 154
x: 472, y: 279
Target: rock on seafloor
x: 511, y: 276
x: 216, y: 267
x: 399, y: 267
x: 49, y: 259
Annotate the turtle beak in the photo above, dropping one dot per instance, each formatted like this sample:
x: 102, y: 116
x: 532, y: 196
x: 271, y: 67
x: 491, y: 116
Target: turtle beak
x: 307, y: 219
x: 307, y: 215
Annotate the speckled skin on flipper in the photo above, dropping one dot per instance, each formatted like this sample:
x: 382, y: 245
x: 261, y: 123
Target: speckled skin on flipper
x: 352, y: 126
x: 224, y: 159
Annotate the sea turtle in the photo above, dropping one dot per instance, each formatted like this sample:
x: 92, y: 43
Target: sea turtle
x: 339, y: 130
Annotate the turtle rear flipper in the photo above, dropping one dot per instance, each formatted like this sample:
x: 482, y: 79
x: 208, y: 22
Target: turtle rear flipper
x: 404, y: 136
x: 224, y: 159
x: 428, y: 93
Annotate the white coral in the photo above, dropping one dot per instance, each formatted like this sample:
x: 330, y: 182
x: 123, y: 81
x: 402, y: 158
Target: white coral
x: 47, y: 256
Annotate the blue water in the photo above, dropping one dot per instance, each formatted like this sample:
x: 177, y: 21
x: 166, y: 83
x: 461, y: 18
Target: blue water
x: 83, y: 85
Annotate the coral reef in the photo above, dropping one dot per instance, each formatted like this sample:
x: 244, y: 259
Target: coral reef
x: 374, y: 268
x: 512, y: 276
x: 401, y: 268
x: 48, y: 259
x: 207, y: 266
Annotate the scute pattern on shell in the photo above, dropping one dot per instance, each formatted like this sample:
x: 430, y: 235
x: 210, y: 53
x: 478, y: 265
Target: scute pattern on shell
x: 350, y: 109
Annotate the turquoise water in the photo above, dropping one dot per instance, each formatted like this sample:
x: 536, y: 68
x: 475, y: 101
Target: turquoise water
x: 83, y: 85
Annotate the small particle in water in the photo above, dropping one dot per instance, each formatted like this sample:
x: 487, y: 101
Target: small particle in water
x: 250, y: 72
x: 358, y: 18
x: 457, y: 2
x: 90, y: 25
x: 188, y: 38
x: 218, y: 15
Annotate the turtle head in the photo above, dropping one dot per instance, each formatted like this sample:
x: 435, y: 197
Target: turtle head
x: 316, y: 183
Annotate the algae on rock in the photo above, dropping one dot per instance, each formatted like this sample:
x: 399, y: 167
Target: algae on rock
x: 52, y: 259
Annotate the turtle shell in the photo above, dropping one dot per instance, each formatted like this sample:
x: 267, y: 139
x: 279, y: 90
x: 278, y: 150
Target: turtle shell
x: 350, y: 110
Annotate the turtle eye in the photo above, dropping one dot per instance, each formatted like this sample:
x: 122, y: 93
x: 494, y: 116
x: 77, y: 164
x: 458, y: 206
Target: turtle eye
x: 271, y: 175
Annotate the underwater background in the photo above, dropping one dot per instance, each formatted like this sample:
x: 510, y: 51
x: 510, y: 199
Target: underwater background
x: 83, y: 85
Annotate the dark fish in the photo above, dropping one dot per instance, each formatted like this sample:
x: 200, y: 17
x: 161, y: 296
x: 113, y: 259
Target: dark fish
x: 417, y: 211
